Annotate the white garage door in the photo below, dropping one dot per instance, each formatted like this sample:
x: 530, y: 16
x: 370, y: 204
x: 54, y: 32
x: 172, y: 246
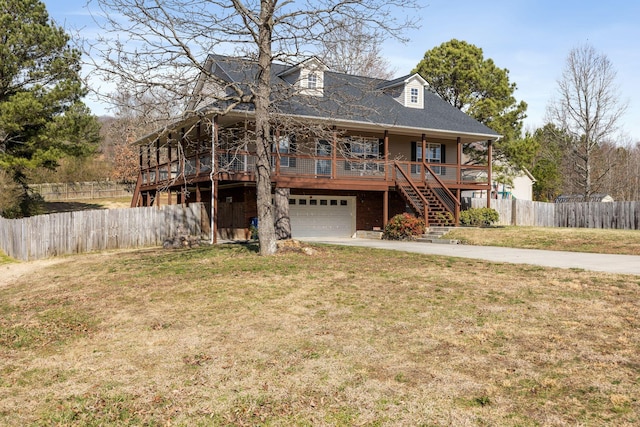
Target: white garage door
x: 322, y: 216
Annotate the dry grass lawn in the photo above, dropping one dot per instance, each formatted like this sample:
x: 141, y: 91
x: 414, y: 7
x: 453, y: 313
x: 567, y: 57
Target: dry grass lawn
x: 220, y: 336
x: 555, y: 239
x: 87, y: 204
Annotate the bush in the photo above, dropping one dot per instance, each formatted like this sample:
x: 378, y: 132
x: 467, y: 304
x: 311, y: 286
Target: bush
x: 403, y: 227
x: 479, y: 217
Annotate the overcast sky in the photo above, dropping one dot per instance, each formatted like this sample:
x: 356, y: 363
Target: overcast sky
x: 531, y: 38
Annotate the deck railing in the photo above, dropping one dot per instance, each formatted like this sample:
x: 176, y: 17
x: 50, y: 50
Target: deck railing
x: 315, y: 167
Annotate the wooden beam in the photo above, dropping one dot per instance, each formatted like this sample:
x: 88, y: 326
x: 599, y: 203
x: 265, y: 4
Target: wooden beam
x: 385, y: 208
x: 423, y: 157
x: 459, y: 160
x: 489, y: 171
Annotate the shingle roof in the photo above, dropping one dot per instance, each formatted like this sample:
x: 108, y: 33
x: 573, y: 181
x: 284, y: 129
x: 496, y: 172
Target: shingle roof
x: 356, y: 98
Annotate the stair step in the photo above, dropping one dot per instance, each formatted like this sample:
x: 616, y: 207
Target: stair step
x: 442, y: 241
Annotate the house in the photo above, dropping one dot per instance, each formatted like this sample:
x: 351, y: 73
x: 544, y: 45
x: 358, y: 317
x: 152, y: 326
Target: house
x: 520, y: 187
x: 353, y: 151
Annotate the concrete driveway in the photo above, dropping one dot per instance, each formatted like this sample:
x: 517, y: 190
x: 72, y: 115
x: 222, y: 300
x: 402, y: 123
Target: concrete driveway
x: 625, y: 264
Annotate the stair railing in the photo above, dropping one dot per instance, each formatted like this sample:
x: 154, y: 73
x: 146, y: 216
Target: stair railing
x: 441, y: 191
x: 402, y: 180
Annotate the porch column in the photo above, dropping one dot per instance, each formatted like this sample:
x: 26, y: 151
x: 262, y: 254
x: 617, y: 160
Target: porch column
x: 157, y: 160
x: 276, y: 150
x: 386, y: 158
x: 489, y: 170
x: 149, y: 161
x: 423, y: 156
x: 198, y: 148
x: 385, y: 208
x: 456, y: 215
x: 459, y: 161
x: 334, y: 152
x: 169, y: 165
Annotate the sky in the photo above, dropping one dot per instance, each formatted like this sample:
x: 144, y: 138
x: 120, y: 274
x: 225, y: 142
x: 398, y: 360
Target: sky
x: 530, y: 38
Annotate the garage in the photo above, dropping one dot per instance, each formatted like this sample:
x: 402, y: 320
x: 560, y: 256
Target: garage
x: 322, y: 216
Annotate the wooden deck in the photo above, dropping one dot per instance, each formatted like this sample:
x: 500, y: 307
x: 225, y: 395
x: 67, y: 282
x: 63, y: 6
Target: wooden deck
x: 311, y: 172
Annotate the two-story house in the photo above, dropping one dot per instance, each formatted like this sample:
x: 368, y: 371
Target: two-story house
x: 353, y: 151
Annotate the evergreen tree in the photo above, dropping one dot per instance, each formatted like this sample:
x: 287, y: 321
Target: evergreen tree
x: 42, y: 118
x: 458, y: 72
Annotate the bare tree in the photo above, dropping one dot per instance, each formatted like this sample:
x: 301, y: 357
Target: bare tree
x: 161, y: 46
x: 352, y: 49
x: 623, y: 160
x: 588, y: 109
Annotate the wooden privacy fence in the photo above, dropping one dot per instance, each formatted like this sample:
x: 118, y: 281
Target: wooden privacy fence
x: 45, y: 236
x: 618, y: 215
x: 80, y: 190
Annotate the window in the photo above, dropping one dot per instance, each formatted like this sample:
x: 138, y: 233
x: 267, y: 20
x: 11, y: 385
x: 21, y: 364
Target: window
x: 323, y: 202
x: 313, y: 202
x: 312, y: 81
x: 433, y: 154
x: 363, y: 149
x: 414, y: 95
x: 285, y: 144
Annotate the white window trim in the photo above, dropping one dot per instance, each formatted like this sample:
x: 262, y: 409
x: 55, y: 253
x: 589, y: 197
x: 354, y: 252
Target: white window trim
x: 414, y: 95
x: 312, y: 80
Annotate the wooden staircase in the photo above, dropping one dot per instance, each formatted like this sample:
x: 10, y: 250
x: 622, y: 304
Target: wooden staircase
x: 136, y: 200
x: 435, y: 203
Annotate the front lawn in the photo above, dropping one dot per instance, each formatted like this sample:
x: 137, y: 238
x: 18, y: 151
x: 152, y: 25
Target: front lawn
x: 347, y: 336
x: 550, y: 238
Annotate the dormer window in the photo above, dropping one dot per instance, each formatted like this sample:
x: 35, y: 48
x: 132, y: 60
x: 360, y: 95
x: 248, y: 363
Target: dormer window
x: 408, y: 90
x: 312, y: 81
x: 414, y: 95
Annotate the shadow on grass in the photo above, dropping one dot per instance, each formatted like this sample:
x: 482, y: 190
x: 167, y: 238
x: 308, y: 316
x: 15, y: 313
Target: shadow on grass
x: 249, y: 245
x: 57, y: 207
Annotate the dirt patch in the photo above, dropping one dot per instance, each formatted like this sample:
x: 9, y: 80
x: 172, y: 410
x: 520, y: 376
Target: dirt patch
x: 11, y: 272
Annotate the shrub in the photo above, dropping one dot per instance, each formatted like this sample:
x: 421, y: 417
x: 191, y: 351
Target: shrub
x: 446, y: 218
x: 479, y: 217
x: 403, y: 227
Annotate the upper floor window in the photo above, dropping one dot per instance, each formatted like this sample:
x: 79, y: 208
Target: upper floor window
x: 414, y: 95
x: 312, y: 81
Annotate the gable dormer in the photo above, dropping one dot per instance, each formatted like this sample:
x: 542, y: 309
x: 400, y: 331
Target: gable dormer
x: 407, y: 90
x: 307, y: 76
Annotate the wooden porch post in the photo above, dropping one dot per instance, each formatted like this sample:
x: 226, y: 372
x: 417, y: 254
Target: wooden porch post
x: 386, y: 159
x: 276, y: 148
x: 198, y: 149
x: 489, y: 170
x: 169, y: 165
x: 423, y: 155
x: 456, y: 215
x: 459, y: 160
x: 149, y: 161
x: 334, y: 152
x: 157, y: 160
x: 385, y: 208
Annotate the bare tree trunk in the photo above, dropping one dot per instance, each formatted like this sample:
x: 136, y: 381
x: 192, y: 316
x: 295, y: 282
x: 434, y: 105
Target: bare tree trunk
x: 266, y: 229
x: 282, y: 223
